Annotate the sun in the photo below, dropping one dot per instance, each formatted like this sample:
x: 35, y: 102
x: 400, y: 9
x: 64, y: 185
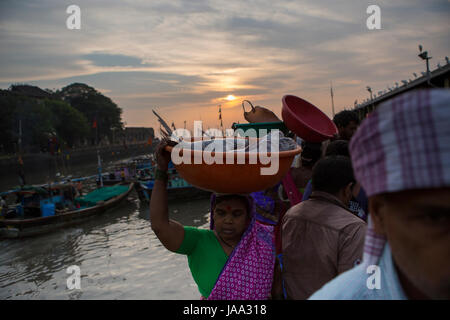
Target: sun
x: 230, y: 97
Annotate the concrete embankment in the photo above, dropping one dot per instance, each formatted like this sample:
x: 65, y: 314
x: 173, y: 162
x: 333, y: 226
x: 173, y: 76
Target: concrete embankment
x: 40, y: 166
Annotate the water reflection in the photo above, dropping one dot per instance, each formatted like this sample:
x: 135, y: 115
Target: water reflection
x: 118, y: 254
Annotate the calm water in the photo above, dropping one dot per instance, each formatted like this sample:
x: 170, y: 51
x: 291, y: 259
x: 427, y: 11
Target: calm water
x: 117, y: 252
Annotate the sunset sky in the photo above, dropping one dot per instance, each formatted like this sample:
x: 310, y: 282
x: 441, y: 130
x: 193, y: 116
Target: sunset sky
x: 185, y: 57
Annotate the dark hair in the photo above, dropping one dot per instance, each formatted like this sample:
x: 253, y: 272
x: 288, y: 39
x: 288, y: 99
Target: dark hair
x: 331, y: 174
x: 343, y: 118
x: 227, y: 197
x: 311, y: 153
x: 338, y: 148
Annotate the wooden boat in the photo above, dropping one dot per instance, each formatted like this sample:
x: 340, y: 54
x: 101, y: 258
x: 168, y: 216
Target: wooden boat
x: 29, y: 224
x: 137, y: 168
x: 143, y: 162
x: 177, y: 189
x: 121, y: 173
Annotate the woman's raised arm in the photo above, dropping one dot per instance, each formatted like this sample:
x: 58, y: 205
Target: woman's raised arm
x: 169, y: 232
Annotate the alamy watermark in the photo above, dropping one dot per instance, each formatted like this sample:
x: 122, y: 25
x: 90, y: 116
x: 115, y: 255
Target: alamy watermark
x: 374, y: 280
x: 74, y: 280
x: 373, y: 22
x: 73, y: 22
x: 237, y: 147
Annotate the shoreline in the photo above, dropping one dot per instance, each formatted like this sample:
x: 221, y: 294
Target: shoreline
x: 40, y: 166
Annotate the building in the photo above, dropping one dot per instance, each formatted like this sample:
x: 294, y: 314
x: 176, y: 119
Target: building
x: 438, y: 78
x: 138, y: 134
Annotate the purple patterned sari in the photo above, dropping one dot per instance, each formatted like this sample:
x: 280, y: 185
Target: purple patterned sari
x: 248, y: 273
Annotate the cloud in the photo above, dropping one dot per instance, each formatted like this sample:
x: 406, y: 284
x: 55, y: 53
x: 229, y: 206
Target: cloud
x: 112, y: 60
x: 184, y: 56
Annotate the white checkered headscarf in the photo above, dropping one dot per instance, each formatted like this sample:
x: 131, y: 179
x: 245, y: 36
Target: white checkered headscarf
x: 403, y: 145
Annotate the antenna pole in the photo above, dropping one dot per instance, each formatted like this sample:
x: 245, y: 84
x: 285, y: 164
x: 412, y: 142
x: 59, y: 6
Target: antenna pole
x: 332, y: 98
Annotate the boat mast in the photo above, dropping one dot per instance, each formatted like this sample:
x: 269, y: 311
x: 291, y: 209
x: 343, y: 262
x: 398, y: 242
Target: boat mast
x: 21, y: 170
x: 332, y: 98
x: 220, y: 118
x: 99, y: 168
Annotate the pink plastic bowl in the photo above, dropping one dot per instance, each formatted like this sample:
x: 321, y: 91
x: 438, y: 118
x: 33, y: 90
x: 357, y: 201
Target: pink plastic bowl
x: 306, y: 120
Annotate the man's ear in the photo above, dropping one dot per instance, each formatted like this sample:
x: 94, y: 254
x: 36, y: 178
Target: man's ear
x: 376, y: 204
x: 356, y: 189
x: 348, y: 191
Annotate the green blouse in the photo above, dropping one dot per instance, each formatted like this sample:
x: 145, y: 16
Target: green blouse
x: 206, y: 257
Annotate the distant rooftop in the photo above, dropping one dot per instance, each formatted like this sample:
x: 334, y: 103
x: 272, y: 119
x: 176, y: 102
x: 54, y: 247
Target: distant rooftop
x: 438, y: 78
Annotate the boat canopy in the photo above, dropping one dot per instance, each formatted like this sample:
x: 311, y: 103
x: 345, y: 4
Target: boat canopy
x: 102, y: 194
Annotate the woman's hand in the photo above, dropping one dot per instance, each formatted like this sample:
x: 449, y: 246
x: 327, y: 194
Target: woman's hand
x: 169, y: 232
x: 162, y: 155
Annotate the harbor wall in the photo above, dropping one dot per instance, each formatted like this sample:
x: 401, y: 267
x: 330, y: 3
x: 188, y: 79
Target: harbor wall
x: 36, y: 166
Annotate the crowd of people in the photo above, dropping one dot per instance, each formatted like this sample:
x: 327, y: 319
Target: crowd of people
x: 370, y: 220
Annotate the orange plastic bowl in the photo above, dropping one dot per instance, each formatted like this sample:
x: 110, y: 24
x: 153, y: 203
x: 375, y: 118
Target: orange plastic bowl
x: 233, y: 178
x: 306, y: 120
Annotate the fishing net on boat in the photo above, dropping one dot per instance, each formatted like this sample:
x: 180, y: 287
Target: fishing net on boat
x: 102, y: 194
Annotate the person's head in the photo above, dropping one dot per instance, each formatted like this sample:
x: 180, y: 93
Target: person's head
x: 347, y: 122
x: 417, y: 226
x: 311, y: 153
x: 334, y: 175
x: 231, y: 215
x: 338, y: 148
x: 409, y: 188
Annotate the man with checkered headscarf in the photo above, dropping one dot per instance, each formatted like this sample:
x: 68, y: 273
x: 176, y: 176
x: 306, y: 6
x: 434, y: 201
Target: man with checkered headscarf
x: 401, y: 156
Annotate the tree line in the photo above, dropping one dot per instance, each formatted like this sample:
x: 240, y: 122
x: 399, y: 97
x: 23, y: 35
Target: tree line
x: 37, y: 120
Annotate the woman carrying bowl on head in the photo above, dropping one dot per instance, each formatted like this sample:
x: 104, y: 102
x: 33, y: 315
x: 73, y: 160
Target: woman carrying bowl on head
x: 235, y: 259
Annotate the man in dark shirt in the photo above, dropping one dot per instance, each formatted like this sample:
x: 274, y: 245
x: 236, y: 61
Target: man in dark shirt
x: 321, y: 238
